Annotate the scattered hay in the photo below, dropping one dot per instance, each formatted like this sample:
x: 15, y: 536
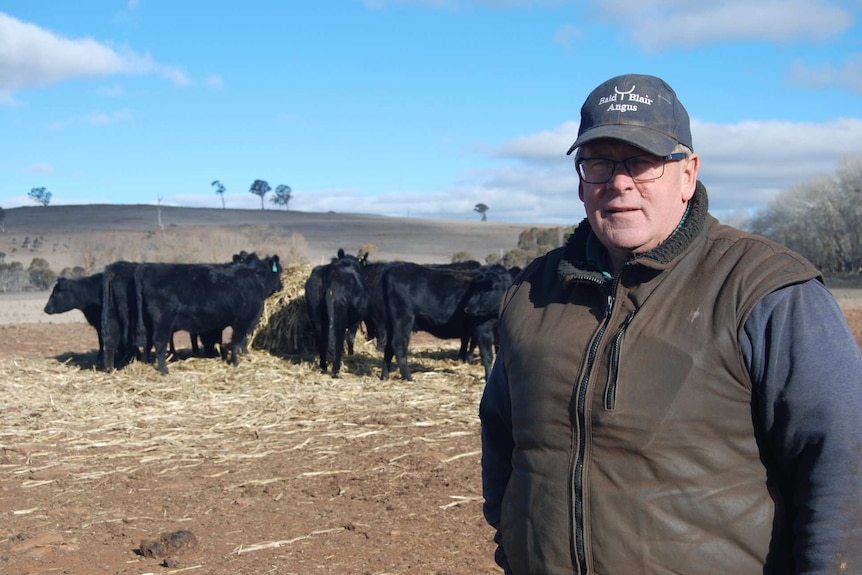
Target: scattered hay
x: 63, y: 423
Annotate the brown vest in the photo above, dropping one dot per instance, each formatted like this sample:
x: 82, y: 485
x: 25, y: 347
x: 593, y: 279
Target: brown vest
x: 635, y: 450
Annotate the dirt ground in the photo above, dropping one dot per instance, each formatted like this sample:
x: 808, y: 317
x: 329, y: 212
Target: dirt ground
x: 337, y: 476
x: 277, y: 469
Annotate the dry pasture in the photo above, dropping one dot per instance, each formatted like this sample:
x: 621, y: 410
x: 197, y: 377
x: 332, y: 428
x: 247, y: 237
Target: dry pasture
x: 272, y: 466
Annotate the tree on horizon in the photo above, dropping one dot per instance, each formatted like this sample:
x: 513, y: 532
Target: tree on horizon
x: 40, y: 196
x: 482, y: 209
x: 283, y: 195
x: 260, y: 188
x: 220, y: 190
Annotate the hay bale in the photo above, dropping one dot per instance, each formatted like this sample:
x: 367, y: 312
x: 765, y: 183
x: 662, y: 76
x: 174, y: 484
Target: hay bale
x: 284, y: 329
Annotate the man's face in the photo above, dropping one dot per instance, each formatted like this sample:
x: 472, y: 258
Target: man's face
x: 632, y: 217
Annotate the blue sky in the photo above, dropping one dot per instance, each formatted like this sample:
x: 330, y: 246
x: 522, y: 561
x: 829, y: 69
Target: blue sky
x: 419, y: 108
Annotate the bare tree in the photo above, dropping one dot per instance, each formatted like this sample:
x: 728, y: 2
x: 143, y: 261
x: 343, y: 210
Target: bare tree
x: 40, y: 195
x: 482, y: 209
x: 220, y: 190
x: 260, y: 188
x: 282, y: 195
x: 820, y: 219
x: 2, y: 220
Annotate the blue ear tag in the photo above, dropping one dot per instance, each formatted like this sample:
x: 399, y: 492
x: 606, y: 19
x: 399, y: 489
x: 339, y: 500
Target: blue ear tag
x: 274, y: 268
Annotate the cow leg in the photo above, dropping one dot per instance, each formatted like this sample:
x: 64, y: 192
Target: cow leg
x: 337, y: 353
x: 111, y: 341
x: 161, y: 338
x: 486, y: 346
x: 400, y: 343
x: 236, y: 339
x: 401, y: 357
x: 341, y: 332
x: 209, y: 341
x: 351, y: 337
x: 162, y: 356
x: 387, y: 360
x: 468, y: 345
x: 322, y: 345
x: 234, y: 352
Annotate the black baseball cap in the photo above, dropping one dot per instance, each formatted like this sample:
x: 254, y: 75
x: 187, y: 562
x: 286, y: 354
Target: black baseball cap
x: 641, y: 110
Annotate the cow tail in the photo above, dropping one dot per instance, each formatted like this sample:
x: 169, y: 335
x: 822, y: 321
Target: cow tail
x: 330, y: 312
x: 107, y: 300
x: 141, y: 331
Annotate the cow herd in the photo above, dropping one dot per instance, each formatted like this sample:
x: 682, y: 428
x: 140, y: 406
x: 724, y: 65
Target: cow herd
x: 395, y: 299
x: 137, y: 307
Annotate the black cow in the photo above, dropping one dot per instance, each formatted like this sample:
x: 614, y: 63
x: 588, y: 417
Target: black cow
x: 203, y: 298
x: 375, y: 317
x: 336, y: 304
x: 209, y: 340
x: 119, y: 314
x: 468, y: 346
x: 84, y: 294
x: 446, y: 303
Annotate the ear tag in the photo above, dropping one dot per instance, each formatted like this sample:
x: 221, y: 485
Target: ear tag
x: 274, y: 268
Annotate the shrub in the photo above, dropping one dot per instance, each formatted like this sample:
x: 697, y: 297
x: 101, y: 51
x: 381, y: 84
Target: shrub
x: 462, y: 256
x: 40, y: 274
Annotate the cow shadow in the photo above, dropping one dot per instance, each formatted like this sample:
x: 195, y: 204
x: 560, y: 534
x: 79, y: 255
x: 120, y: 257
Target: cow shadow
x: 81, y: 360
x: 437, y: 354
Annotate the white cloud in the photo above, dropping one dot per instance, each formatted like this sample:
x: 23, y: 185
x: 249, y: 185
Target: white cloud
x: 663, y: 24
x: 546, y: 146
x: 31, y: 57
x: 39, y: 169
x: 93, y: 119
x: 214, y: 81
x: 743, y: 165
x: 848, y: 76
x: 567, y: 36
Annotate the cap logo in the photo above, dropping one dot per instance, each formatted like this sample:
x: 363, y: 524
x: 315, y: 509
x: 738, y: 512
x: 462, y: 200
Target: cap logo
x: 618, y: 97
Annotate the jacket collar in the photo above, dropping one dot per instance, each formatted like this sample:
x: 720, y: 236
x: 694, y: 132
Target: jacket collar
x: 580, y: 259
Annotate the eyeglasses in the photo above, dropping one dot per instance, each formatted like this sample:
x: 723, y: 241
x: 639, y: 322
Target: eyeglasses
x: 643, y: 168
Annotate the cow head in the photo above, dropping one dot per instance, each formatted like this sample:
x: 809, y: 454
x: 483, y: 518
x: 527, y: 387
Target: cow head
x: 486, y: 292
x: 273, y: 284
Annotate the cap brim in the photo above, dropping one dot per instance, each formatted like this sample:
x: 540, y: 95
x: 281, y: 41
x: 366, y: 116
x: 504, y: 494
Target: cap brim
x: 641, y: 137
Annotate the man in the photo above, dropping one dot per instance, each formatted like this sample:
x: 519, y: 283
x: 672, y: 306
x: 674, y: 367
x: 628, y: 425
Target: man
x: 671, y: 395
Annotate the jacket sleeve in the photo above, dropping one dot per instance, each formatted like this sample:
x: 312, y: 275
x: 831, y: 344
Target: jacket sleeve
x: 495, y: 414
x: 806, y: 369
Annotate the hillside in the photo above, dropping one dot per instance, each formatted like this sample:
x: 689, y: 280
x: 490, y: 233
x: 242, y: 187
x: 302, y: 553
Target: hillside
x: 92, y: 235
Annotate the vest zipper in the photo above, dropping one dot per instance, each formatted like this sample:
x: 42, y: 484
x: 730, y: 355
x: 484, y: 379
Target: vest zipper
x: 577, y: 484
x: 614, y: 368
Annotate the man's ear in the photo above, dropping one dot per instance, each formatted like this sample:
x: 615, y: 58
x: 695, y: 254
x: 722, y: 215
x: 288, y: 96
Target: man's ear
x: 581, y: 190
x: 689, y: 176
